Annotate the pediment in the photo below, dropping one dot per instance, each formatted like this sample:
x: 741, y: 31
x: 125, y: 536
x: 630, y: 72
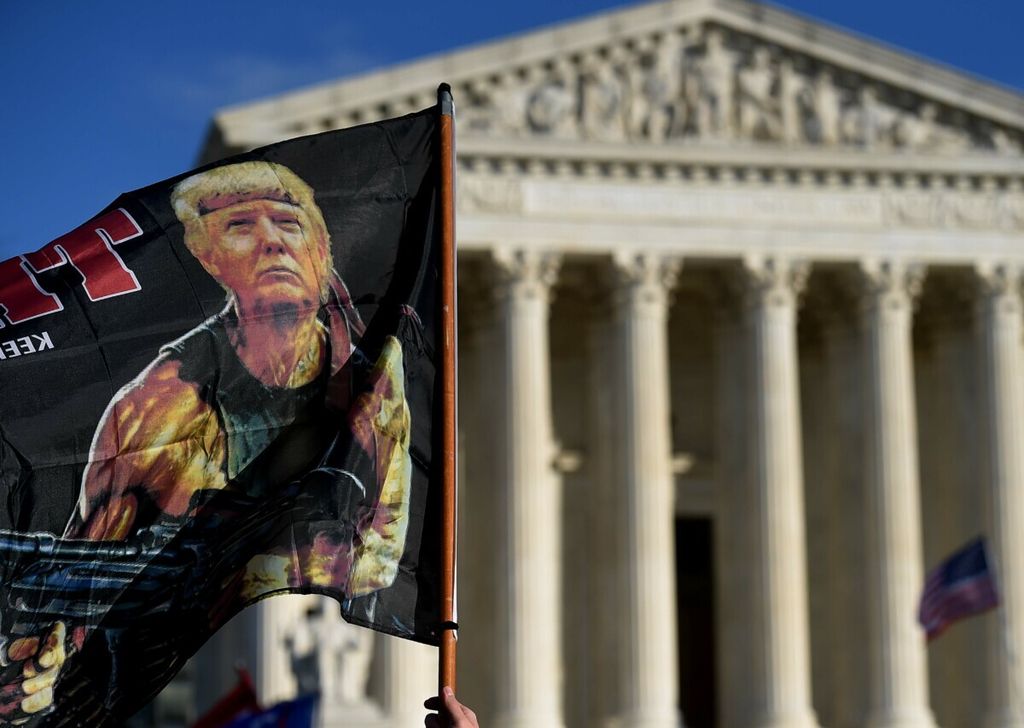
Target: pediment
x: 681, y: 72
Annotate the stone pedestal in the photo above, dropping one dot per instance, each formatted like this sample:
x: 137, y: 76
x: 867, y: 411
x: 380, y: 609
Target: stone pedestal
x: 899, y: 675
x: 366, y: 715
x: 529, y: 684
x: 649, y: 663
x: 999, y: 323
x: 780, y: 679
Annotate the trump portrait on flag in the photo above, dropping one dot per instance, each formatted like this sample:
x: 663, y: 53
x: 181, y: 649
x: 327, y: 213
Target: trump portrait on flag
x: 278, y: 444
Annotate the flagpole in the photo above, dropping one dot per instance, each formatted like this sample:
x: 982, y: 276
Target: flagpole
x: 446, y: 108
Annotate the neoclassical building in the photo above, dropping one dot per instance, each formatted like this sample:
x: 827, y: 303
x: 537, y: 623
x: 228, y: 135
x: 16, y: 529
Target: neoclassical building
x: 740, y: 359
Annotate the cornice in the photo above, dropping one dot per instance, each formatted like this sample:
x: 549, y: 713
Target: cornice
x: 909, y: 80
x: 549, y: 154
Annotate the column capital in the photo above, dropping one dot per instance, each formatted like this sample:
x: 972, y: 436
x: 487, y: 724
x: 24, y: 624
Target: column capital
x: 645, y: 277
x: 890, y: 283
x: 526, y: 273
x: 999, y: 279
x: 774, y: 280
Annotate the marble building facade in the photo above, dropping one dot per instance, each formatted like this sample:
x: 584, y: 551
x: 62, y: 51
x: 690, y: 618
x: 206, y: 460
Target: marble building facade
x: 741, y: 357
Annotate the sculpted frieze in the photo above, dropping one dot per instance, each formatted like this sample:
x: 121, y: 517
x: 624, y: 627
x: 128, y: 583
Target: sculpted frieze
x: 489, y: 195
x: 715, y: 84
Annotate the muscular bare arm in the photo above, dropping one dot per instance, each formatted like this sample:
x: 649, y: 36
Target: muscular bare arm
x: 381, y: 421
x: 157, y: 441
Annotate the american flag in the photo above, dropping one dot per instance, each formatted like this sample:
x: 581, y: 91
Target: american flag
x: 959, y: 587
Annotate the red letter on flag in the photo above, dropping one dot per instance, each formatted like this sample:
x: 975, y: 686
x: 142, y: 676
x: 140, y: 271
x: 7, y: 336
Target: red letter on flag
x: 21, y: 298
x: 89, y: 250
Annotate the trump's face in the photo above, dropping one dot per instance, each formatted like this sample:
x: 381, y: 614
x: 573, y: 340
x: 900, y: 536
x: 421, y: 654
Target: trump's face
x: 267, y: 252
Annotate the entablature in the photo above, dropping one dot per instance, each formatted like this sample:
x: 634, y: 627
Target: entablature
x: 669, y: 74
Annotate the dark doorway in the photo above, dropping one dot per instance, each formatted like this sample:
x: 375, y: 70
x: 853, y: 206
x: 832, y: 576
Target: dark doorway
x: 696, y: 619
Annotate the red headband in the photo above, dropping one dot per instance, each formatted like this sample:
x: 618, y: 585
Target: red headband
x: 220, y: 201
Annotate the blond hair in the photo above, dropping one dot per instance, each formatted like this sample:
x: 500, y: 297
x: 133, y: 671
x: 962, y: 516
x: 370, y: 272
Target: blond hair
x: 220, y: 187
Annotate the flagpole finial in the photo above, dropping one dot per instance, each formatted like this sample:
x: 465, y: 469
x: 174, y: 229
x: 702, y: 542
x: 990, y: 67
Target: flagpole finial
x: 444, y: 100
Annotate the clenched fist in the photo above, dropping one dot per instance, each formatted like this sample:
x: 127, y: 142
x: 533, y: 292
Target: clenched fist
x: 31, y: 668
x: 451, y: 712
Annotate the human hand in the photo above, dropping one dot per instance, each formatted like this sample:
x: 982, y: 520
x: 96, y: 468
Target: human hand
x: 31, y: 668
x: 459, y: 715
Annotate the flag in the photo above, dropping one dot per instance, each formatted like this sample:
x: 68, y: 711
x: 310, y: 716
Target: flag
x: 296, y: 713
x: 960, y: 587
x: 218, y: 389
x: 240, y: 701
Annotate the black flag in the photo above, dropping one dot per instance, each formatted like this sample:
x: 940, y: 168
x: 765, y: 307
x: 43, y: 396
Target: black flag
x: 220, y: 388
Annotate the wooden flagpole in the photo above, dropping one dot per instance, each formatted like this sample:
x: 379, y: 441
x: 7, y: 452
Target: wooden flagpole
x: 446, y: 108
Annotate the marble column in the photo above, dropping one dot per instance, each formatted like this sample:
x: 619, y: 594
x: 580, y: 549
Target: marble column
x: 899, y: 674
x: 272, y: 674
x: 529, y: 689
x: 410, y: 677
x: 780, y: 684
x: 649, y: 666
x: 1002, y: 419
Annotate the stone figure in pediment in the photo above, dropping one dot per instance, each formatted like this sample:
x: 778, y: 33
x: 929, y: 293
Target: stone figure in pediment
x: 552, y: 106
x: 690, y: 97
x: 1000, y: 139
x: 664, y: 89
x: 922, y: 132
x: 602, y: 102
x: 716, y: 108
x: 795, y: 103
x: 759, y: 113
x: 655, y: 91
x: 874, y: 123
x: 491, y: 109
x: 659, y: 88
x: 636, y: 108
x: 827, y: 104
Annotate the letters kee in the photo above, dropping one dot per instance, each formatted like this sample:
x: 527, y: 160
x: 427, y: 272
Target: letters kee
x: 26, y: 345
x: 89, y: 250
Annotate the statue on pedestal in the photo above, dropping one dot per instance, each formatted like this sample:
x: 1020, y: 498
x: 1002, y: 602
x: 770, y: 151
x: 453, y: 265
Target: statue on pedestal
x: 331, y: 657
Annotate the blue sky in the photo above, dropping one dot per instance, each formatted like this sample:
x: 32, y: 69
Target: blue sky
x: 102, y: 97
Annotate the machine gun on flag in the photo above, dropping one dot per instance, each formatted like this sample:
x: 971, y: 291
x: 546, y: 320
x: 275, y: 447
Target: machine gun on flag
x: 164, y: 568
